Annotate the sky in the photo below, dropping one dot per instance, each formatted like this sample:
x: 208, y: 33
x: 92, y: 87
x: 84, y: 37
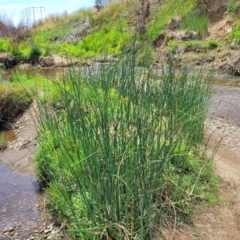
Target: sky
x: 29, y: 11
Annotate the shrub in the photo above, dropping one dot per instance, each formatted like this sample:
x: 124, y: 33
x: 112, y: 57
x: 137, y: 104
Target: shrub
x: 172, y: 46
x: 105, y: 41
x: 210, y: 44
x: 20, y: 50
x: 235, y: 35
x: 34, y: 54
x: 120, y: 152
x: 4, y: 44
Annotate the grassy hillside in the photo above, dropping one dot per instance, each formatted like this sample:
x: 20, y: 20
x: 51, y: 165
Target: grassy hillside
x: 88, y: 33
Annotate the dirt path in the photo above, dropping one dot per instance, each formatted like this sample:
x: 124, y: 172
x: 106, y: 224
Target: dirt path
x: 220, y: 222
x: 20, y: 152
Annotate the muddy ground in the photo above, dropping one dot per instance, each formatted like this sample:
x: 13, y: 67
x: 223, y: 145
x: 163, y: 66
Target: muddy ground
x: 219, y: 222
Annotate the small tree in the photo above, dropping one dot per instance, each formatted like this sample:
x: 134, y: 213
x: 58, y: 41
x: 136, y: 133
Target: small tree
x: 143, y: 13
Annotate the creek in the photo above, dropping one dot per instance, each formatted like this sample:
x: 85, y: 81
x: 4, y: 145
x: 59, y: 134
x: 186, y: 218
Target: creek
x: 19, y: 191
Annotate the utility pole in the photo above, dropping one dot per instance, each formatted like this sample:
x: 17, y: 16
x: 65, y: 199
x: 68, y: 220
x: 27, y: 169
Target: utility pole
x: 35, y: 8
x: 98, y: 4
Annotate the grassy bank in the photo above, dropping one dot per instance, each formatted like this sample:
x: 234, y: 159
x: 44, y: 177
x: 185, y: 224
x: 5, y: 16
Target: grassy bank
x: 119, y: 151
x: 18, y: 92
x: 88, y: 33
x: 13, y: 101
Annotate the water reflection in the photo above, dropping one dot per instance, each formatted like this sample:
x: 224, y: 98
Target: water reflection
x: 222, y: 80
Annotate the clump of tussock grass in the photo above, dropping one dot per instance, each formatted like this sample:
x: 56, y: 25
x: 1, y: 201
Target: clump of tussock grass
x: 119, y: 153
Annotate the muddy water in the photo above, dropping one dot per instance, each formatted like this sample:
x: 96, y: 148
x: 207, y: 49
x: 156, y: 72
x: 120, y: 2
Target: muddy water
x: 225, y: 102
x: 8, y: 135
x: 18, y: 200
x: 222, y: 80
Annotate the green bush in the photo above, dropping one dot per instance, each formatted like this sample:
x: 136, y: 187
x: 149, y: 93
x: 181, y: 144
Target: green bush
x: 192, y: 45
x: 105, y: 41
x: 235, y: 35
x: 20, y: 50
x: 172, y: 46
x: 232, y: 6
x: 210, y: 44
x: 34, y: 53
x: 4, y: 44
x: 119, y: 155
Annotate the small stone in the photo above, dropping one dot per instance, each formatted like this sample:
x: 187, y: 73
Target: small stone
x: 8, y: 230
x: 47, y: 231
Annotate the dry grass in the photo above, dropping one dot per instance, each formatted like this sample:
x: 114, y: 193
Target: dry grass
x: 51, y: 21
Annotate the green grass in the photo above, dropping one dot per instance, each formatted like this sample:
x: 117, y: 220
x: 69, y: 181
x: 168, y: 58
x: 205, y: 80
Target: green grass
x: 26, y: 50
x: 3, y: 142
x: 35, y: 84
x: 106, y: 41
x: 170, y: 9
x: 119, y: 152
x: 172, y: 46
x: 196, y: 22
x: 235, y: 34
x: 233, y: 5
x: 201, y: 45
x: 5, y: 44
x: 108, y: 34
x: 13, y: 100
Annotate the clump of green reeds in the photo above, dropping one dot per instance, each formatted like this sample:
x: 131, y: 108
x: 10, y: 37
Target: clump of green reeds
x: 119, y: 152
x: 3, y: 142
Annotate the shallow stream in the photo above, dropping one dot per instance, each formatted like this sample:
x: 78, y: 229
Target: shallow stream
x: 18, y: 199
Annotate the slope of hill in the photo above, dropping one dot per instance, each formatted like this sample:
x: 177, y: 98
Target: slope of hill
x: 198, y: 31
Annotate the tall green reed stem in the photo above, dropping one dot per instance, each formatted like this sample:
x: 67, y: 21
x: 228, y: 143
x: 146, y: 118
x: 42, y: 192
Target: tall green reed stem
x: 114, y: 148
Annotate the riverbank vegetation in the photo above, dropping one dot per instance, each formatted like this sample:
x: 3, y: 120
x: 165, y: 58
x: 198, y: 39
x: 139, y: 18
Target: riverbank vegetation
x: 88, y: 33
x: 119, y: 152
x: 120, y: 147
x: 13, y: 101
